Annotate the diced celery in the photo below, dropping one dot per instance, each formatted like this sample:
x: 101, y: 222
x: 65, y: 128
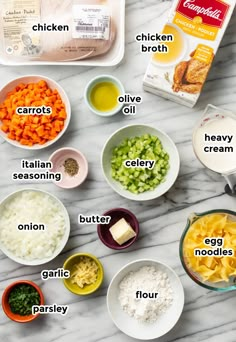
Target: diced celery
x: 138, y: 180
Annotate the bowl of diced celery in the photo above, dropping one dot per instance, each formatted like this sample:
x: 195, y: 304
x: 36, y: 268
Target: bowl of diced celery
x: 140, y: 162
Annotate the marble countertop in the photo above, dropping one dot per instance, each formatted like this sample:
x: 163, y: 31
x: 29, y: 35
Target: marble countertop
x: 207, y: 316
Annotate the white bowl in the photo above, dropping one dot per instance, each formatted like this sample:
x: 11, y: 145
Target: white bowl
x: 93, y: 83
x: 59, y: 248
x: 129, y: 325
x: 133, y: 131
x: 53, y: 85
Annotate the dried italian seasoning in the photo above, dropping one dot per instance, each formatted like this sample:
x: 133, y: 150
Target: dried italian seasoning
x: 71, y: 167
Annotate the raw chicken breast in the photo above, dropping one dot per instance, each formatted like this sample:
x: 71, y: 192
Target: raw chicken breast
x: 61, y: 46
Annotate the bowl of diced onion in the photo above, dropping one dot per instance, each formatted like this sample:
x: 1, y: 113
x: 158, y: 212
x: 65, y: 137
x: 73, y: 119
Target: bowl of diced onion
x: 34, y: 227
x: 140, y: 162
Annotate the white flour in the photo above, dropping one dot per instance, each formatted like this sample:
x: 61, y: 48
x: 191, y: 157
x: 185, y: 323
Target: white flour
x: 147, y: 279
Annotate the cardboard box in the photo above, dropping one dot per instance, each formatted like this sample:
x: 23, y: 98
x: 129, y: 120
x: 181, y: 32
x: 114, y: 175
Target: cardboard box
x: 197, y: 28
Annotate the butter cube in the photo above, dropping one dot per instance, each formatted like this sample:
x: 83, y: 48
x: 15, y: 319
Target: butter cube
x: 121, y: 231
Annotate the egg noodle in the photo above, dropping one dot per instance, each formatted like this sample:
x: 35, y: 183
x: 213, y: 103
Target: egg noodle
x: 211, y: 268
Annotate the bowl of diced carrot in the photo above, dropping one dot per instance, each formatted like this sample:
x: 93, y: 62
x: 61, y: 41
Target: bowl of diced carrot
x: 25, y: 126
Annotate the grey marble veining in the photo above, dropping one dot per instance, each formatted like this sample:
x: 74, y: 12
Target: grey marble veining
x: 207, y: 316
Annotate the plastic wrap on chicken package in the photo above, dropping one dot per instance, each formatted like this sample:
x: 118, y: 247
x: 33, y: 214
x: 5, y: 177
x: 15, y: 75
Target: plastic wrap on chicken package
x: 78, y: 32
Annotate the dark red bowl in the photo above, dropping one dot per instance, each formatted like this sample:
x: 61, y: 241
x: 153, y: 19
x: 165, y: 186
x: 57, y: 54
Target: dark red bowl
x: 117, y: 214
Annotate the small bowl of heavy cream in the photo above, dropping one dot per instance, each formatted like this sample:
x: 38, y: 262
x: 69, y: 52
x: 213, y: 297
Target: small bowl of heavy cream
x: 102, y: 94
x: 214, y: 140
x: 145, y: 299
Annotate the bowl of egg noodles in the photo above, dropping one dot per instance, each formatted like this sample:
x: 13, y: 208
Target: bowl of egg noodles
x: 208, y: 249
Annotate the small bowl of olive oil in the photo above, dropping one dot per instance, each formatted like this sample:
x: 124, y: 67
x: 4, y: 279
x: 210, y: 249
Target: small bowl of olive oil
x: 102, y: 95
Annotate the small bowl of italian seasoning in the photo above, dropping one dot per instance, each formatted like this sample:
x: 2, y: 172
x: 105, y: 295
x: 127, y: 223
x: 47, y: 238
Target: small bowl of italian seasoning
x: 72, y: 165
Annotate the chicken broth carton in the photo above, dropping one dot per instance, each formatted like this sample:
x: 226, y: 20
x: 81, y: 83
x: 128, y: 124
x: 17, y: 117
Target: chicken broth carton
x: 192, y: 36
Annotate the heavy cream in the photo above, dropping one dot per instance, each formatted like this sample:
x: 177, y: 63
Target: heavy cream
x: 215, y: 144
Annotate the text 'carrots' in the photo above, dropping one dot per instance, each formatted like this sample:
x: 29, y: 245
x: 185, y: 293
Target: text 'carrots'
x: 32, y: 129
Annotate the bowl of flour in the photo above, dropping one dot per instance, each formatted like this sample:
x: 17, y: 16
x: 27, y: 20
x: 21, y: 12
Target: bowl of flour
x: 145, y: 299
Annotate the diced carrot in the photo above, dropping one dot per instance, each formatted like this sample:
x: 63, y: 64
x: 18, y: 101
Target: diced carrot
x: 42, y: 84
x: 5, y: 128
x: 51, y: 137
x: 62, y: 114
x: 40, y: 131
x: 26, y: 142
x: 45, y: 119
x: 36, y: 120
x: 37, y: 103
x: 53, y: 133
x: 19, y: 132
x: 32, y: 129
x: 11, y: 136
x: 6, y: 122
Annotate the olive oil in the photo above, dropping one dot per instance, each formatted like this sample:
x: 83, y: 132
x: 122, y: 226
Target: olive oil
x: 104, y: 96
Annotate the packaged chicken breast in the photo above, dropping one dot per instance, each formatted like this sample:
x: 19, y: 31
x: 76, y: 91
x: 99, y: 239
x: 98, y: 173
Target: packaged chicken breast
x: 185, y: 49
x: 81, y: 32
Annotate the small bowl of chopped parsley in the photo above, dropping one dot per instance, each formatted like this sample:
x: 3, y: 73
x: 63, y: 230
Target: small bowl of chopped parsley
x: 19, y: 298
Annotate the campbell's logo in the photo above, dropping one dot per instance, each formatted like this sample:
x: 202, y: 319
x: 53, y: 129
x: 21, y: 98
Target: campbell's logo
x: 202, y: 10
x: 209, y: 12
